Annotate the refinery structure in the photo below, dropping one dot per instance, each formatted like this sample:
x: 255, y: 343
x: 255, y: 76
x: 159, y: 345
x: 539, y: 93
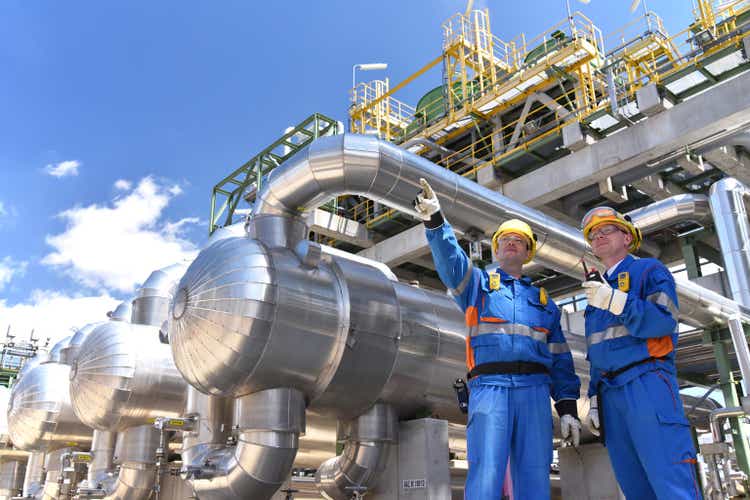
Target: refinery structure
x: 310, y: 350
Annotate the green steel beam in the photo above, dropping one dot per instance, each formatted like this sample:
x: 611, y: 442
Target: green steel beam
x: 731, y: 399
x: 227, y: 194
x: 690, y: 254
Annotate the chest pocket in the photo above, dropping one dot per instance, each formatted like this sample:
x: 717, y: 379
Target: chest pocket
x: 539, y: 315
x: 497, y: 305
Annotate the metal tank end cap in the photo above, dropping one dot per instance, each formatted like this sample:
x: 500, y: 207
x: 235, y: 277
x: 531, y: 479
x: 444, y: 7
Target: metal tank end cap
x: 180, y: 303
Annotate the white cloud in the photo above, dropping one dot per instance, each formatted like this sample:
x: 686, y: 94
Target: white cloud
x: 54, y: 315
x: 10, y: 268
x: 63, y: 168
x: 3, y: 211
x: 118, y: 245
x: 123, y: 185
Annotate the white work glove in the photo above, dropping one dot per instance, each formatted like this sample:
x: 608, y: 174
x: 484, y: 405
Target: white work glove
x: 426, y: 203
x: 603, y: 296
x: 592, y: 419
x: 570, y: 427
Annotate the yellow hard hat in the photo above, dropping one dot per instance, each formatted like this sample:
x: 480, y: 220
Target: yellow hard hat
x: 607, y: 215
x: 519, y: 227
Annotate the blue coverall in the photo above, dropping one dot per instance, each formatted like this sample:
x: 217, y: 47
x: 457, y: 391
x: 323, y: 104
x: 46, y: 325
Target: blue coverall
x: 646, y: 432
x: 509, y: 415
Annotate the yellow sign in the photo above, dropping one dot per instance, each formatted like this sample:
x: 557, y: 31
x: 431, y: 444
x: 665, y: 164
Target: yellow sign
x: 176, y: 423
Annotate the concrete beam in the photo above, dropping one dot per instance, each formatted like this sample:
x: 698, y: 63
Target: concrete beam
x: 341, y: 228
x: 607, y: 189
x: 730, y: 161
x: 705, y: 117
x: 655, y: 187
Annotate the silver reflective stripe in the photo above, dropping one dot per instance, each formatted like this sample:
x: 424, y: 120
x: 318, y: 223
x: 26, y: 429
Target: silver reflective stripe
x: 662, y: 299
x: 558, y: 347
x: 509, y: 329
x: 613, y: 332
x: 464, y: 281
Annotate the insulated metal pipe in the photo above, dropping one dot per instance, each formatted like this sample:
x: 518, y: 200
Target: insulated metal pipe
x: 53, y: 467
x: 733, y: 230
x: 669, y: 211
x: 11, y: 478
x: 727, y: 198
x: 135, y: 454
x: 367, y: 439
x: 367, y: 166
x: 269, y: 424
x: 32, y: 481
x: 102, y: 451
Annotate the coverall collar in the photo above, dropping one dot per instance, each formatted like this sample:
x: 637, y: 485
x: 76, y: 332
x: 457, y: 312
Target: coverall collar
x: 507, y: 277
x: 623, y: 264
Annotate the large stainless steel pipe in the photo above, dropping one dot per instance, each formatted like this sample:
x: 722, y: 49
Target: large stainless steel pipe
x: 53, y: 467
x: 670, y: 211
x: 727, y: 197
x: 364, y: 456
x: 269, y: 424
x: 135, y: 454
x: 367, y: 166
x: 11, y: 478
x: 101, y: 466
x: 32, y: 481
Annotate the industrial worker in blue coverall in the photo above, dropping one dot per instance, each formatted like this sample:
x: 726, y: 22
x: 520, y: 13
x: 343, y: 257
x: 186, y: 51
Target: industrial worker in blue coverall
x: 516, y: 356
x: 631, y: 334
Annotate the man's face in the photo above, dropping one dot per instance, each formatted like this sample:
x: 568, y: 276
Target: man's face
x: 512, y: 249
x: 609, y: 241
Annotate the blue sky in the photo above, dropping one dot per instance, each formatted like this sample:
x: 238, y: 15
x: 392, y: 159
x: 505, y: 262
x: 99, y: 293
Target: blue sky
x: 119, y: 117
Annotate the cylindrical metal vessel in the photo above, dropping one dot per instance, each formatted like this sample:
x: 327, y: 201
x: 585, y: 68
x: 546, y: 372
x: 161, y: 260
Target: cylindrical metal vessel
x: 40, y: 415
x: 12, y: 473
x: 242, y: 312
x: 151, y: 304
x: 228, y: 311
x: 124, y: 377
x: 69, y: 352
x: 56, y: 353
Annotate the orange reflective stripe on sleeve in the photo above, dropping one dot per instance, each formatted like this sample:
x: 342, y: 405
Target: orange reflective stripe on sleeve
x: 540, y: 329
x: 660, y: 346
x: 469, y: 355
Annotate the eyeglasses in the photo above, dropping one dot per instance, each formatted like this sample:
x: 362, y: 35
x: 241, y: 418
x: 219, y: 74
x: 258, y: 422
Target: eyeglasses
x: 515, y: 239
x: 604, y: 231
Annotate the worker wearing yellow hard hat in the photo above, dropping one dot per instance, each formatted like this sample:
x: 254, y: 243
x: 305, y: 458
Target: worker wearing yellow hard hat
x: 631, y: 334
x: 517, y: 227
x: 516, y: 356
